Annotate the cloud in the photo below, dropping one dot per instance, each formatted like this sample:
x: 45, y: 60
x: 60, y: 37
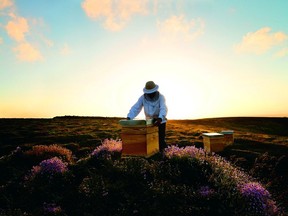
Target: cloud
x: 283, y: 52
x: 46, y: 41
x: 260, y: 41
x: 37, y: 26
x: 25, y: 32
x: 5, y: 4
x: 115, y: 13
x: 17, y: 28
x: 178, y: 26
x: 26, y: 52
x: 65, y: 50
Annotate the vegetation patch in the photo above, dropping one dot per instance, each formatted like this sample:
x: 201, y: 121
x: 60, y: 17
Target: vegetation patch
x: 159, y: 185
x: 179, y: 181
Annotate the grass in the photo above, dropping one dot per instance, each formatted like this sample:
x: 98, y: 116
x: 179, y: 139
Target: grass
x: 260, y: 147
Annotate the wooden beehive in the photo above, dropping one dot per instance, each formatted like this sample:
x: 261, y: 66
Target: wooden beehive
x: 139, y: 140
x: 213, y: 142
x: 228, y: 137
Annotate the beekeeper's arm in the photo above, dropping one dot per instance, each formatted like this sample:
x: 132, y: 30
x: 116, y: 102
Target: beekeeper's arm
x: 136, y: 108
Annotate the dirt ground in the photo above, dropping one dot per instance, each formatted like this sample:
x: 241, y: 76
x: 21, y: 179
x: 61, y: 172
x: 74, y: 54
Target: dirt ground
x: 257, y: 135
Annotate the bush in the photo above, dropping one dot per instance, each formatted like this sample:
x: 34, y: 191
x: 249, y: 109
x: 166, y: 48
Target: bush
x: 109, y: 149
x: 183, y: 181
x: 43, y: 152
x: 272, y: 172
x: 46, y: 184
x: 257, y: 200
x: 49, y: 168
x: 234, y: 184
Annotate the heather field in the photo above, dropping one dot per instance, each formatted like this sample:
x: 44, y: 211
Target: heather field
x: 73, y: 166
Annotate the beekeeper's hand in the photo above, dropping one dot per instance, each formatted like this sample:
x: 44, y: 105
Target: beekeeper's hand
x: 157, y: 122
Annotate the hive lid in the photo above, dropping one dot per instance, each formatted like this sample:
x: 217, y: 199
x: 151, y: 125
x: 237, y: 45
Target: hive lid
x: 212, y: 134
x: 127, y: 123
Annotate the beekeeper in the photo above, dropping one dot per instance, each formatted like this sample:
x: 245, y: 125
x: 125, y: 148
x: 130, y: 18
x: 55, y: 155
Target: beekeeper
x: 154, y: 108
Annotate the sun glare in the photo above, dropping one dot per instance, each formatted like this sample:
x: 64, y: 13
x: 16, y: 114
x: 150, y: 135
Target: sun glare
x: 182, y: 81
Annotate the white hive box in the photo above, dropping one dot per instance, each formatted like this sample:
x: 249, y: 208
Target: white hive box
x: 139, y: 138
x: 228, y: 137
x: 213, y: 142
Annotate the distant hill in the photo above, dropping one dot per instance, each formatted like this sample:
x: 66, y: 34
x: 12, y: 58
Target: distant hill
x: 266, y: 125
x: 86, y: 117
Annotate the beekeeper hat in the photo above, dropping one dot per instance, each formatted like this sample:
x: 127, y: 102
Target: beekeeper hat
x: 150, y: 87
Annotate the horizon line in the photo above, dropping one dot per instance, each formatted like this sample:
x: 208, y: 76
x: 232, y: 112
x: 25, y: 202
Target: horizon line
x: 119, y: 117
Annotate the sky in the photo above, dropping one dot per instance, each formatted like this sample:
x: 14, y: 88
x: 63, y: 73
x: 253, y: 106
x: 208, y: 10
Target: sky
x: 210, y: 58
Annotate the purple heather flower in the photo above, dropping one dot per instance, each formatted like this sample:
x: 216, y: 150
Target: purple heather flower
x: 258, y: 199
x: 206, y: 191
x: 192, y: 151
x: 53, y: 165
x: 51, y: 208
x: 50, y: 167
x: 109, y: 145
x: 255, y: 190
x: 188, y: 151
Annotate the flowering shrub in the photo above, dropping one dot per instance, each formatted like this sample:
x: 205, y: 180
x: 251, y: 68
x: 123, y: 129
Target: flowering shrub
x: 52, y: 209
x: 187, y: 181
x: 206, y: 191
x: 53, y: 165
x: 48, y: 183
x: 188, y: 151
x: 225, y: 175
x: 257, y: 199
x: 221, y: 168
x: 45, y: 152
x: 230, y: 180
x: 49, y: 167
x: 108, y: 148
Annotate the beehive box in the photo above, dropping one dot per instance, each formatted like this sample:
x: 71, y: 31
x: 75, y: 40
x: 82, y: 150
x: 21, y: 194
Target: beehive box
x: 139, y: 139
x: 213, y: 142
x: 228, y: 137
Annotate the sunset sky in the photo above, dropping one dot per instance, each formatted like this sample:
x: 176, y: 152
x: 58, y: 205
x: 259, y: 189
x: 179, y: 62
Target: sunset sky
x: 210, y: 58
